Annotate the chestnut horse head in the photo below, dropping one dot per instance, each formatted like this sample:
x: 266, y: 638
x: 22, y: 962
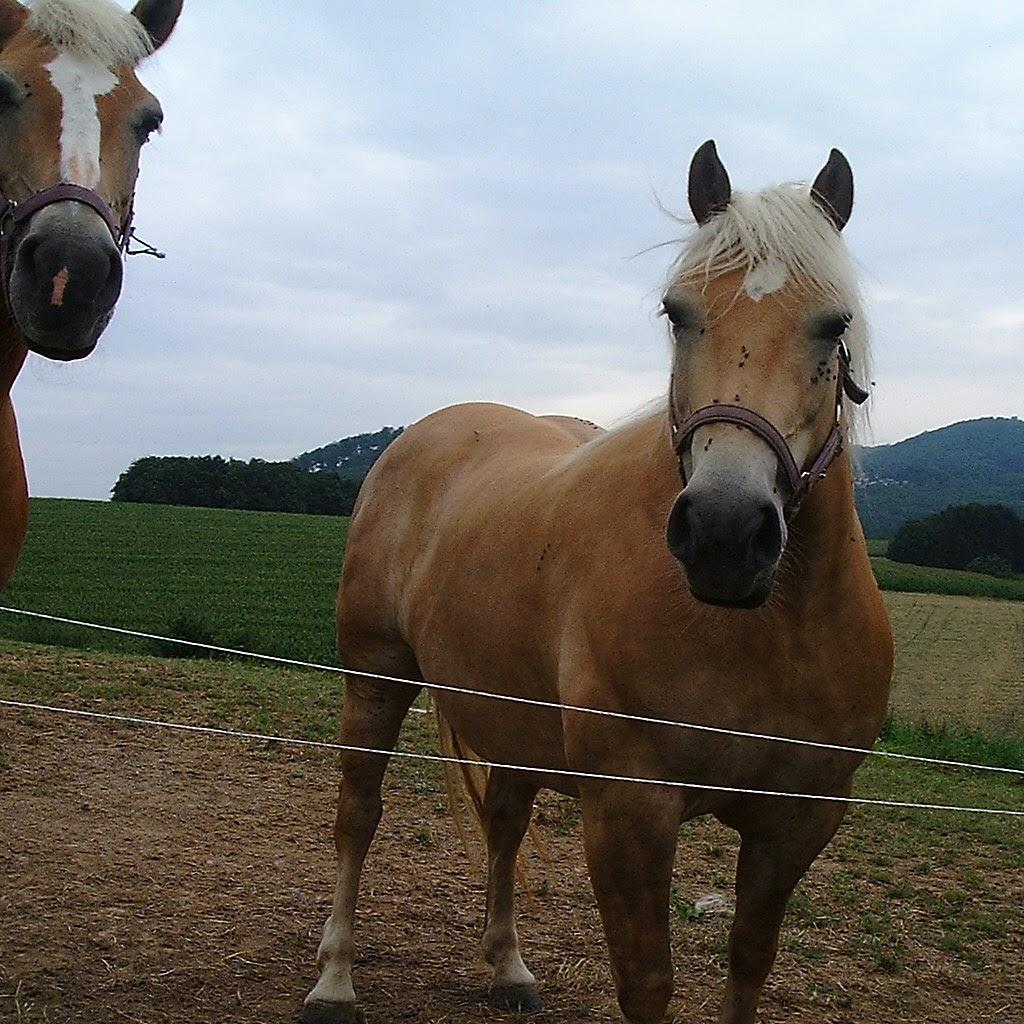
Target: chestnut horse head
x: 73, y: 120
x: 768, y: 338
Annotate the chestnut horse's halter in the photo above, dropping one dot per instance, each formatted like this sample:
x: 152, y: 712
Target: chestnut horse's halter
x: 800, y: 481
x: 14, y: 214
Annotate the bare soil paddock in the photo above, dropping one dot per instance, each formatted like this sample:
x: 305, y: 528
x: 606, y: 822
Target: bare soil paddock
x: 148, y: 876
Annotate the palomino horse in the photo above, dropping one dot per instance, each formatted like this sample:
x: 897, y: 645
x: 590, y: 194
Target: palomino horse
x: 503, y: 552
x: 73, y: 119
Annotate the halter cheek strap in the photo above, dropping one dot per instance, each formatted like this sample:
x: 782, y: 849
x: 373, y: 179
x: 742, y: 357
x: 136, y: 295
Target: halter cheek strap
x: 800, y: 481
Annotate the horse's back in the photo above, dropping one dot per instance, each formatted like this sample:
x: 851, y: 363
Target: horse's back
x: 442, y: 479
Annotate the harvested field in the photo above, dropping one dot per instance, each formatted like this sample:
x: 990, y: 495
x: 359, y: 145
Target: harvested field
x: 959, y: 661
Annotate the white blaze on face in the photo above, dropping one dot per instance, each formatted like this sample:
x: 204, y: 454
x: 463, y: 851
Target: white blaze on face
x: 765, y: 278
x: 80, y: 82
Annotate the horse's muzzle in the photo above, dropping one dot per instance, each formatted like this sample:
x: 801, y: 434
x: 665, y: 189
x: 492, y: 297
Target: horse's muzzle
x: 729, y: 555
x: 65, y: 280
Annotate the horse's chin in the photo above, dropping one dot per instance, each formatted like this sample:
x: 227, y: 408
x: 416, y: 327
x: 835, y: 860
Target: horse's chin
x: 61, y: 354
x: 757, y: 597
x: 65, y: 344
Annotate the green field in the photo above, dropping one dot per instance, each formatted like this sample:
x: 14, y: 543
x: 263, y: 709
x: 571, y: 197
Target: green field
x: 263, y: 581
x: 959, y: 662
x: 920, y: 579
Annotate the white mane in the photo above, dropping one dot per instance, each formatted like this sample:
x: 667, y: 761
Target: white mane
x: 779, y: 235
x: 98, y: 30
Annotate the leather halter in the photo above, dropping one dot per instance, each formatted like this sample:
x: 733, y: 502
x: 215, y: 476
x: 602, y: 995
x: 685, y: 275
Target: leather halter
x: 14, y: 214
x: 800, y: 481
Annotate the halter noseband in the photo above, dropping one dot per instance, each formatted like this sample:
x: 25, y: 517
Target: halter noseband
x: 13, y: 214
x: 800, y: 481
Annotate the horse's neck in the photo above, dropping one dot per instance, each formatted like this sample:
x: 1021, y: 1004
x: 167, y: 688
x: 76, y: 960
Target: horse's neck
x: 13, y: 488
x: 12, y: 357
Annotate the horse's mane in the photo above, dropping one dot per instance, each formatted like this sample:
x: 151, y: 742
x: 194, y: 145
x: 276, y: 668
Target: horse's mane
x: 779, y: 235
x: 97, y: 30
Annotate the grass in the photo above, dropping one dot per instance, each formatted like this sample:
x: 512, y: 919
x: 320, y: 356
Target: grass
x: 258, y: 580
x: 921, y: 579
x: 266, y: 582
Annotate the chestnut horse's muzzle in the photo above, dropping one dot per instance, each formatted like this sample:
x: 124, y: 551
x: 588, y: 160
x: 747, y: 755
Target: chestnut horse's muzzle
x: 731, y: 547
x: 61, y: 254
x: 729, y: 554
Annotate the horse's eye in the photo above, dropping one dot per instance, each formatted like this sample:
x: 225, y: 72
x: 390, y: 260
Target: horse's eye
x: 832, y: 327
x: 148, y: 123
x: 11, y: 95
x: 681, y: 316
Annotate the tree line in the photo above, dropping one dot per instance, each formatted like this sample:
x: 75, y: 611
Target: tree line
x: 980, y: 538
x: 209, y: 481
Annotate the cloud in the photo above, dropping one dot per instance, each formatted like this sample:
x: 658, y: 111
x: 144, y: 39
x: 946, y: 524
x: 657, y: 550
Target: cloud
x: 371, y: 212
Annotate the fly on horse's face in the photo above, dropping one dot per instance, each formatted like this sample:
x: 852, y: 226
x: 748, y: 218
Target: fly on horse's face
x: 72, y: 112
x: 758, y: 315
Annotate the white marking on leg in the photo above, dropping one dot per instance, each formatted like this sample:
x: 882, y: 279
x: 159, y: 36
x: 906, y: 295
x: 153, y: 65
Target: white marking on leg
x: 79, y: 83
x: 337, y: 947
x: 501, y: 951
x: 335, y: 962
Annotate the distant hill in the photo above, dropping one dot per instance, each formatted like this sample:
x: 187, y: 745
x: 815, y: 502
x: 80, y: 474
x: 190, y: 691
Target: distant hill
x: 351, y: 457
x: 973, y: 461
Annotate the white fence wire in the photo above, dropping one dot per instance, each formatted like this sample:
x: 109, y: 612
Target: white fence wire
x: 536, y: 769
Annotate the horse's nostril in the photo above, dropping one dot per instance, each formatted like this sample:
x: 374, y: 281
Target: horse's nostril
x: 115, y: 276
x: 679, y: 529
x: 27, y: 253
x: 766, y: 539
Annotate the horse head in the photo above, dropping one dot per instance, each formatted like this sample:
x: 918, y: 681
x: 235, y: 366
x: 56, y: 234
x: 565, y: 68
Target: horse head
x: 73, y: 120
x: 765, y: 319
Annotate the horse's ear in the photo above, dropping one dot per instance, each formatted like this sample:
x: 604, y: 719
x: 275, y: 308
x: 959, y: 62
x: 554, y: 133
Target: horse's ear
x: 12, y: 17
x: 709, y: 187
x: 833, y: 189
x: 158, y: 18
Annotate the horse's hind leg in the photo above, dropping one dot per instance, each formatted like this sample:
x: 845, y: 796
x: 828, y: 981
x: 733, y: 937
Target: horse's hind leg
x: 372, y: 716
x: 508, y: 804
x: 779, y: 843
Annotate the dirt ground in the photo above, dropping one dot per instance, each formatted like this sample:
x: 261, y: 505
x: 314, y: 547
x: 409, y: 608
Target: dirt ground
x: 153, y: 877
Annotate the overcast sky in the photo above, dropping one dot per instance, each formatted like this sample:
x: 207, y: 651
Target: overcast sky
x: 372, y: 210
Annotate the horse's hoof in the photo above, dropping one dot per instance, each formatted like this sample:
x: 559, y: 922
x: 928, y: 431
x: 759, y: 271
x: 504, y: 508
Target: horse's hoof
x: 517, y: 998
x: 319, y: 1012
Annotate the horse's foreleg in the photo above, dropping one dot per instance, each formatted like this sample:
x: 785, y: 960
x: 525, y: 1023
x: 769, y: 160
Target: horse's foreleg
x: 779, y: 843
x: 508, y: 804
x: 630, y: 833
x: 371, y: 717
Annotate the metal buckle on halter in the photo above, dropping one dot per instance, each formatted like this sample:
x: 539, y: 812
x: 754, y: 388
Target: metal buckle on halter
x: 7, y: 210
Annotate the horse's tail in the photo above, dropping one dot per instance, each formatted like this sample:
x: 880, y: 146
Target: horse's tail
x: 465, y: 782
